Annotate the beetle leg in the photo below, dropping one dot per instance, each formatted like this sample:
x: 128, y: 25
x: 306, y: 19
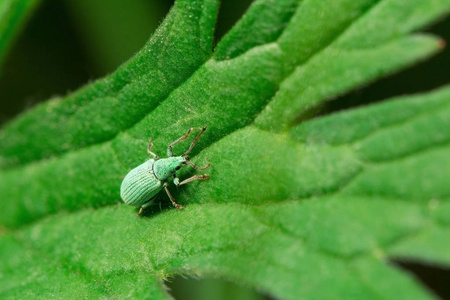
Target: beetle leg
x: 141, y: 210
x: 144, y: 206
x: 169, y: 149
x: 195, y: 177
x: 178, y: 206
x: 150, y: 144
x: 176, y: 180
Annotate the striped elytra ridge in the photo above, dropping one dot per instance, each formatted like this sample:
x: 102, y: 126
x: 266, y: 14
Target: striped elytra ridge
x: 140, y: 185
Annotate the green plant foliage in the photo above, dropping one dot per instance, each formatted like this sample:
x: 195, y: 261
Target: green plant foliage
x: 295, y: 207
x: 13, y: 13
x: 177, y: 48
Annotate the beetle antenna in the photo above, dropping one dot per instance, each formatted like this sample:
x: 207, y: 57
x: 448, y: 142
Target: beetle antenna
x: 169, y: 149
x: 194, y: 141
x: 196, y: 167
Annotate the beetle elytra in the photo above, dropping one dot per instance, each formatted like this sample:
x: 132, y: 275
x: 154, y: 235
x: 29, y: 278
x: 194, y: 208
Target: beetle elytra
x: 142, y: 184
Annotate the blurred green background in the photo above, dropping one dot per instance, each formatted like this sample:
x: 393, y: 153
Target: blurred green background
x: 66, y: 44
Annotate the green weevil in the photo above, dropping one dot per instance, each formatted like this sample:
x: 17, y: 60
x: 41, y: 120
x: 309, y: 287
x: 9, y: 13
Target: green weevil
x: 142, y: 184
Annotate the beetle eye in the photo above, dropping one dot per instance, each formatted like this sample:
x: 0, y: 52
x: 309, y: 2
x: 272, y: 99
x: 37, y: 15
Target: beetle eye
x: 177, y: 168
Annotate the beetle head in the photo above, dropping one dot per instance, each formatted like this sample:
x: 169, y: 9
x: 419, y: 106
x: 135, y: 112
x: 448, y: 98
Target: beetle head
x: 166, y: 167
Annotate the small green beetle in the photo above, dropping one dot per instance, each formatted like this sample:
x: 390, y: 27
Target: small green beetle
x: 143, y: 183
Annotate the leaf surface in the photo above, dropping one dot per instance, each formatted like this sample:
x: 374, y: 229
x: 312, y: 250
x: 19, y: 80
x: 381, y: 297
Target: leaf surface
x: 101, y: 110
x: 293, y: 204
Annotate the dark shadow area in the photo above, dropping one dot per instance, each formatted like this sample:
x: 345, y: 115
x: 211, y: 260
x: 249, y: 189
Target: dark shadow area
x: 182, y: 288
x: 434, y: 278
x: 45, y: 61
x: 159, y: 205
x: 229, y: 13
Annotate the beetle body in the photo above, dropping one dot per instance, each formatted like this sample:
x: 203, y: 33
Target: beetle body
x: 141, y: 185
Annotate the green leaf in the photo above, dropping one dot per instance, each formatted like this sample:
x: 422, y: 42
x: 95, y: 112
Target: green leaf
x: 175, y: 51
x: 373, y: 42
x: 13, y: 15
x: 292, y: 205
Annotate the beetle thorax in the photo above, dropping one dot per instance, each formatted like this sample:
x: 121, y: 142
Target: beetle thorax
x: 165, y: 167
